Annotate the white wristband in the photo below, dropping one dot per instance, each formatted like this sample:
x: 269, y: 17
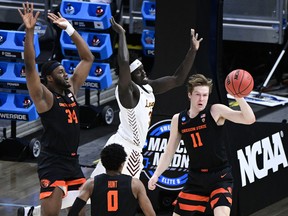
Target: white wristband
x: 69, y: 29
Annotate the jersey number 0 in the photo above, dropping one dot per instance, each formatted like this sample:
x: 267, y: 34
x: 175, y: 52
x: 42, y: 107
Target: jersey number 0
x: 112, y: 201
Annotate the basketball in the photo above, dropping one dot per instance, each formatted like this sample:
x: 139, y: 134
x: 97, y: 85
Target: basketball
x: 239, y: 83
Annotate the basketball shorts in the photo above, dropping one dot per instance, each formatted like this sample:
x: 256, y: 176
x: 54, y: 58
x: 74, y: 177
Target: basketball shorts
x: 205, y: 191
x: 134, y: 162
x: 59, y: 171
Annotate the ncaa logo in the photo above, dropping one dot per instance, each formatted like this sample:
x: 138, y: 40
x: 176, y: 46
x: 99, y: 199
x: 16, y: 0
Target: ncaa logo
x: 157, y: 139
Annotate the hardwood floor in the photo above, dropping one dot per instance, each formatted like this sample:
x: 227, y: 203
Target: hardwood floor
x: 19, y: 187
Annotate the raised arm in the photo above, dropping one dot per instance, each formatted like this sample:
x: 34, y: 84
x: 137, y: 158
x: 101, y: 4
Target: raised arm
x: 166, y: 83
x: 167, y: 156
x: 125, y: 85
x: 139, y: 192
x: 245, y: 115
x: 40, y: 95
x: 82, y: 70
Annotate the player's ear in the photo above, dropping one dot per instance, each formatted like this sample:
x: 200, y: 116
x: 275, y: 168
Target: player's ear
x: 49, y: 78
x: 121, y: 167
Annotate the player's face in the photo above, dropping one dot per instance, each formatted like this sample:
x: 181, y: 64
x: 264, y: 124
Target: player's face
x: 139, y: 76
x: 199, y: 97
x: 60, y: 77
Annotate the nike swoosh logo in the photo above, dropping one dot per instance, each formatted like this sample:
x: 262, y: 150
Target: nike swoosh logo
x: 222, y: 176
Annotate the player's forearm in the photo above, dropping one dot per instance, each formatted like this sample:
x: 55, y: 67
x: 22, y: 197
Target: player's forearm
x: 123, y: 53
x: 186, y: 66
x: 77, y: 206
x: 246, y: 110
x: 164, y: 162
x: 82, y: 47
x: 29, y: 52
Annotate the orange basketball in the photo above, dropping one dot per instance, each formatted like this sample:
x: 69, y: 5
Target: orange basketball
x: 239, y: 83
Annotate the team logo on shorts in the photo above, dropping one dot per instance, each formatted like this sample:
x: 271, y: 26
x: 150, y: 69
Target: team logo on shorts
x: 157, y: 139
x: 44, y: 183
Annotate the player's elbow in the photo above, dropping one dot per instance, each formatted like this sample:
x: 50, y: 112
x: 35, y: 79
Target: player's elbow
x: 250, y: 120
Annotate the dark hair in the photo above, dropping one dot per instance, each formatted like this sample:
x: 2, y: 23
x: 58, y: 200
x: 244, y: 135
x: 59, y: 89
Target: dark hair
x: 47, y: 68
x: 112, y: 156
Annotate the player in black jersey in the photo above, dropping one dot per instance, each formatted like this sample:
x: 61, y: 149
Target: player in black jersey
x: 210, y: 182
x: 113, y: 193
x: 55, y: 100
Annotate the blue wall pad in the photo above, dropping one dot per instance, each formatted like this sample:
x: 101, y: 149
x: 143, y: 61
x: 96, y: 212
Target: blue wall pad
x: 99, y: 44
x: 148, y: 42
x: 12, y: 43
x: 148, y: 11
x: 86, y: 15
x: 12, y: 75
x: 11, y: 107
x: 99, y: 76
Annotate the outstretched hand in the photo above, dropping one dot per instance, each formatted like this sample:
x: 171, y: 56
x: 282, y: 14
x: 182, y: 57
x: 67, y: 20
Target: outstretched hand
x: 58, y: 20
x: 27, y: 15
x: 116, y: 27
x: 195, y: 42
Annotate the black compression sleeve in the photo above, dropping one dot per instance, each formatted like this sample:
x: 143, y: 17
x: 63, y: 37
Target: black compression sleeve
x: 76, y: 207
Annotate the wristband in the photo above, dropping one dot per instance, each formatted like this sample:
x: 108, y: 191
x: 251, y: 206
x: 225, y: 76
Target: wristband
x: 69, y: 29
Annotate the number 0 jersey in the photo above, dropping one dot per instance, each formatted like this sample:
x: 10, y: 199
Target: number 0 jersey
x: 203, y: 139
x: 112, y: 195
x: 61, y: 125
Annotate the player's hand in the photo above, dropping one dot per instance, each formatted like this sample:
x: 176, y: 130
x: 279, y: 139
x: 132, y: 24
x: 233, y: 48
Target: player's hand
x: 27, y: 15
x: 58, y: 20
x: 116, y: 27
x: 195, y: 43
x: 152, y: 182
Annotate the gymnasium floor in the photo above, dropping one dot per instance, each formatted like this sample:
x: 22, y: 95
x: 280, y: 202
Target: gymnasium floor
x: 19, y: 187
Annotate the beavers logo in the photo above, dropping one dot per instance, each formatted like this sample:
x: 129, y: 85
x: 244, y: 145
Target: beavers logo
x: 176, y: 174
x: 45, y: 183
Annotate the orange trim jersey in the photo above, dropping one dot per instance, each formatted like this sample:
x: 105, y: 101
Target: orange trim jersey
x: 61, y: 125
x: 203, y: 139
x: 112, y: 195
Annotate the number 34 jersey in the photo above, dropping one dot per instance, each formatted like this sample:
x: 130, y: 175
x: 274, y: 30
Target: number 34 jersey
x: 203, y: 139
x: 61, y: 125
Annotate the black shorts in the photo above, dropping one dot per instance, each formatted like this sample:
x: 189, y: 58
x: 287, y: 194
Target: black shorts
x: 205, y: 191
x: 59, y: 171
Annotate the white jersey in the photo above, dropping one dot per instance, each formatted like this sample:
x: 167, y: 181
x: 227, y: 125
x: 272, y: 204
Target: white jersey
x: 132, y: 132
x: 135, y: 122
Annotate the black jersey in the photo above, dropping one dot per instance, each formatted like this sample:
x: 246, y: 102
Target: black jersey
x: 61, y: 125
x: 203, y: 139
x: 112, y: 196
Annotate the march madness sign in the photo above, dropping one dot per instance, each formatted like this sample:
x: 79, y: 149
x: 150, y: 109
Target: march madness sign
x: 157, y: 139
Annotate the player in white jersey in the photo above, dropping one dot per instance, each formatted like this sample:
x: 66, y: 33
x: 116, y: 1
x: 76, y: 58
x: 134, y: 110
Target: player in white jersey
x: 135, y: 97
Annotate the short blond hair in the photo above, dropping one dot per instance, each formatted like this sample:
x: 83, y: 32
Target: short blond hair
x: 199, y: 80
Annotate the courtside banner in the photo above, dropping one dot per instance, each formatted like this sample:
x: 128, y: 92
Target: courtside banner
x: 176, y: 174
x: 259, y: 159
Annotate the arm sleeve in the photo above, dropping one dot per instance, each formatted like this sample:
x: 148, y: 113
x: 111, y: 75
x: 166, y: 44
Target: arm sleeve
x: 76, y: 207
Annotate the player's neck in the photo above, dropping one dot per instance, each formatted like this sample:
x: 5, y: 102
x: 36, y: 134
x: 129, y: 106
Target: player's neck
x: 192, y: 114
x: 113, y: 173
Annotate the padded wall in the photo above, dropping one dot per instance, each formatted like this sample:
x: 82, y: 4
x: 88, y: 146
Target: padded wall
x: 172, y: 36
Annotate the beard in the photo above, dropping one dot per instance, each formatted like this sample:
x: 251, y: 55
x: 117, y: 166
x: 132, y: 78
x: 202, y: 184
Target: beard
x: 62, y: 83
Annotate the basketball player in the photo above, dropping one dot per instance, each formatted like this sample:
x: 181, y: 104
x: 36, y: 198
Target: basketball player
x: 210, y: 182
x: 55, y: 100
x: 113, y: 193
x: 135, y: 97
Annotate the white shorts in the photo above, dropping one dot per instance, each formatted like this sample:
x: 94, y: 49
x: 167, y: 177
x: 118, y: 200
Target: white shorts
x: 134, y: 162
